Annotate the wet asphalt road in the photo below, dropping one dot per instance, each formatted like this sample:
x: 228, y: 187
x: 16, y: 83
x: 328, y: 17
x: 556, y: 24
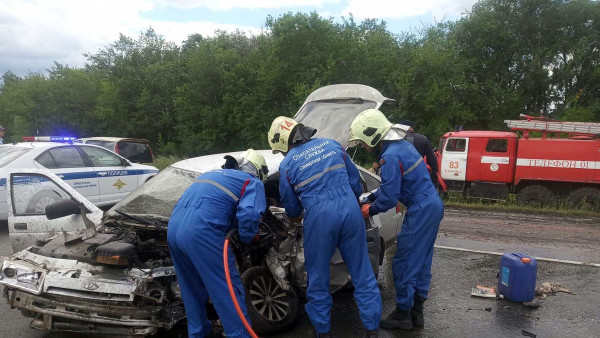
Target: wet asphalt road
x: 451, y: 311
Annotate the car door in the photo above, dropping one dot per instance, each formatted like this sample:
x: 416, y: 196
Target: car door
x: 29, y: 191
x: 389, y: 222
x: 69, y: 164
x: 116, y: 178
x: 454, y: 159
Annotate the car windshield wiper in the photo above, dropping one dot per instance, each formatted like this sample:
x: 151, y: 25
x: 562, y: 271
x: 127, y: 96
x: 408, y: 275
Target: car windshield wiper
x: 161, y: 224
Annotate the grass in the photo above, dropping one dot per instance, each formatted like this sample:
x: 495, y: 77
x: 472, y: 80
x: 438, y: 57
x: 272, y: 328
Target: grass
x: 162, y: 162
x: 560, y: 208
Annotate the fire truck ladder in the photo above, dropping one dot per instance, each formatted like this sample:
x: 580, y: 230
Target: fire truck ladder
x: 555, y: 126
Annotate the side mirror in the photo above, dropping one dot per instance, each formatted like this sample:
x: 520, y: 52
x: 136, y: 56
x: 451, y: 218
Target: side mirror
x: 126, y: 163
x: 62, y: 208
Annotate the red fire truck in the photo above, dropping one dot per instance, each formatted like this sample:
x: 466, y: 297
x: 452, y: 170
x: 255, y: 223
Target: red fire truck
x: 563, y: 162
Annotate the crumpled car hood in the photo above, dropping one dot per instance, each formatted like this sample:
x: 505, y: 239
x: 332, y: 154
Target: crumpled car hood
x: 331, y: 109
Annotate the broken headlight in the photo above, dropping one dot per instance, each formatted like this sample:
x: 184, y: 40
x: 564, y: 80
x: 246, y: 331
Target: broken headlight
x: 22, y: 276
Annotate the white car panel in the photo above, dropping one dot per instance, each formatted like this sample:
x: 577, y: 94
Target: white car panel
x: 30, y: 191
x: 91, y: 182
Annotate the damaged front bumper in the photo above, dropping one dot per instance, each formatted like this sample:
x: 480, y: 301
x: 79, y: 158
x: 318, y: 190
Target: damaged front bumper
x: 66, y: 295
x: 68, y: 314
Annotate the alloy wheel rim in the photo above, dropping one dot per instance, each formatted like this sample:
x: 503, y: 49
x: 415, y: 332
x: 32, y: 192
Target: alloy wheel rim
x: 269, y: 299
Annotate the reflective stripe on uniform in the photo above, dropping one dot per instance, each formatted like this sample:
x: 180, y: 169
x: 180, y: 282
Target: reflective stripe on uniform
x: 314, y: 177
x: 225, y: 190
x: 413, y: 166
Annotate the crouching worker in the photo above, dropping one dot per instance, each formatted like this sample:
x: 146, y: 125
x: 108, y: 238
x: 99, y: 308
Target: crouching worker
x: 318, y: 177
x: 404, y: 178
x: 218, y: 201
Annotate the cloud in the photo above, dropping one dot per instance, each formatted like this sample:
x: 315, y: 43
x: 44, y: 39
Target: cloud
x: 399, y: 9
x: 35, y: 33
x: 224, y: 5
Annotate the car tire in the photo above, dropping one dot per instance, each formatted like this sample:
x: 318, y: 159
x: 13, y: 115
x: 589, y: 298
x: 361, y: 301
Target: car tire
x: 584, y: 198
x: 270, y: 308
x: 37, y: 204
x: 535, y: 195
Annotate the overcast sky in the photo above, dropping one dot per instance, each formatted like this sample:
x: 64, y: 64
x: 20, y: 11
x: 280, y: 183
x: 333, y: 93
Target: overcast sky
x: 34, y: 33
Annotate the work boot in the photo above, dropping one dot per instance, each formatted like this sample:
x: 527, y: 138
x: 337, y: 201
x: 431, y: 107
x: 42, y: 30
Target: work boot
x: 371, y: 333
x: 398, y: 319
x: 321, y: 335
x: 416, y: 312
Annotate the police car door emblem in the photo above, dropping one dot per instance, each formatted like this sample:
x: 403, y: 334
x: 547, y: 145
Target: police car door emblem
x: 119, y: 184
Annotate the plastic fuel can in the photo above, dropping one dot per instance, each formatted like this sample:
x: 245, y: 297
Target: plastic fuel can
x: 517, y: 277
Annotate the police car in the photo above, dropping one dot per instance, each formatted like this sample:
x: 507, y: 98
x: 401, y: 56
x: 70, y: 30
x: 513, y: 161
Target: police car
x: 100, y: 175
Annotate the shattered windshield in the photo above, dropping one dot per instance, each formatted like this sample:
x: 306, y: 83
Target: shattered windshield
x: 332, y: 118
x: 11, y: 153
x: 157, y: 197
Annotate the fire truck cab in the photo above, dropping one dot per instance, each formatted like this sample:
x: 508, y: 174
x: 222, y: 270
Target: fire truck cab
x: 563, y: 162
x: 480, y: 163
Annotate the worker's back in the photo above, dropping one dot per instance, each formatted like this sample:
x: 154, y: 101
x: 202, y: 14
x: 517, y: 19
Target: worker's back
x: 415, y: 180
x: 316, y: 171
x: 217, y: 194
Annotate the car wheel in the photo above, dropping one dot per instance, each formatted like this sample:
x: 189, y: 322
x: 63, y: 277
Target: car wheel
x: 37, y: 204
x: 584, y: 198
x: 270, y: 307
x: 535, y: 195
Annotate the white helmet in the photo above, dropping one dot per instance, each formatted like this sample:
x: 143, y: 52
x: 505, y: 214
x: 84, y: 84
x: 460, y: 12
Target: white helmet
x: 280, y: 132
x: 250, y: 161
x: 370, y: 126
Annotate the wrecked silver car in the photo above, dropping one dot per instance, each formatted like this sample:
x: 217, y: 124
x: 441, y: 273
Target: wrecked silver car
x: 79, y: 270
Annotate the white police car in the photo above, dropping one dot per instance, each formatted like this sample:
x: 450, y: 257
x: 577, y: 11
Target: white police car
x: 100, y: 175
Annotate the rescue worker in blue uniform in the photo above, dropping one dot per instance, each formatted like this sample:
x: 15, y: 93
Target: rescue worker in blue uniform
x: 218, y: 201
x: 404, y: 178
x: 317, y: 177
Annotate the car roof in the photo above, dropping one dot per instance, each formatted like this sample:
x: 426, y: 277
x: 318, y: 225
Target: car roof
x: 113, y: 139
x: 206, y: 163
x: 48, y: 145
x: 39, y: 144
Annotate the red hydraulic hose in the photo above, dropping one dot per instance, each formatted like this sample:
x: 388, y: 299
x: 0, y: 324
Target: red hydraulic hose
x: 231, y: 293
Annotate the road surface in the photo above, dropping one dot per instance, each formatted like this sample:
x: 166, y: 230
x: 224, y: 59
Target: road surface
x: 450, y: 311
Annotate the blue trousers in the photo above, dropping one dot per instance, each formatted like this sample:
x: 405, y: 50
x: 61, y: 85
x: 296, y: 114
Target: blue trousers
x: 328, y: 225
x: 197, y: 252
x: 412, y: 261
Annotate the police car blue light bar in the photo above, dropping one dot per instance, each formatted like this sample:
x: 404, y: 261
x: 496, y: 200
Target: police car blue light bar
x: 48, y: 138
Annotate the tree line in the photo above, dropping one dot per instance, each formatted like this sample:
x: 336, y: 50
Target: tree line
x: 220, y: 93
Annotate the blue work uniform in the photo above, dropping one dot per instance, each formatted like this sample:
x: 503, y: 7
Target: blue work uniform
x: 405, y: 178
x: 320, y: 179
x: 218, y: 201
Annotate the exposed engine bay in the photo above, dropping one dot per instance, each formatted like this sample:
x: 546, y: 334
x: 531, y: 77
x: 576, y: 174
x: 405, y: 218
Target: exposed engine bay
x: 118, y: 277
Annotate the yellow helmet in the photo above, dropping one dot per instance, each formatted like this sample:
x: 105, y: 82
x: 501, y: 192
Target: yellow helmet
x: 280, y: 132
x: 370, y: 126
x: 250, y: 161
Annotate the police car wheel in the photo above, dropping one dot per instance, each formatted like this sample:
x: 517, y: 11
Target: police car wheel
x: 37, y: 204
x: 270, y: 307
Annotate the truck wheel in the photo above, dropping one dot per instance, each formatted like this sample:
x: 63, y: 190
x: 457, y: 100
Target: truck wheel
x: 535, y: 195
x: 584, y: 198
x: 270, y: 308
